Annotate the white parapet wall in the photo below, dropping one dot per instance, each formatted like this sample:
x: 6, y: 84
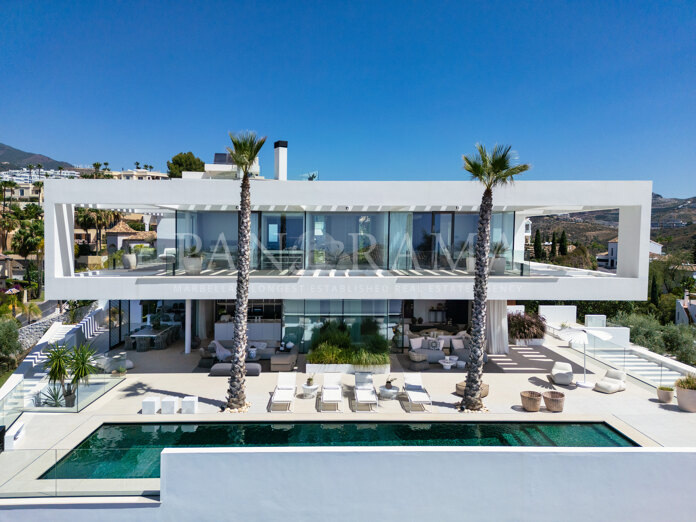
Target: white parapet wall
x: 396, y: 484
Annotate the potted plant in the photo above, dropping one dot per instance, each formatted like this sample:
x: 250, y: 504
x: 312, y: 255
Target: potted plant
x: 310, y: 380
x: 390, y: 380
x: 129, y: 260
x: 63, y: 363
x: 665, y: 394
x: 498, y: 261
x: 526, y: 329
x: 119, y: 372
x: 686, y: 392
x: 193, y: 261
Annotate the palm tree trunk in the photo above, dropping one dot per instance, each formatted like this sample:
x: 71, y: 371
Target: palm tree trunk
x: 236, y: 396
x: 472, y: 392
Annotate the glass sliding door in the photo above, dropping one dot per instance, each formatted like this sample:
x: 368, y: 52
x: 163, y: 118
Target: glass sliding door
x: 282, y: 240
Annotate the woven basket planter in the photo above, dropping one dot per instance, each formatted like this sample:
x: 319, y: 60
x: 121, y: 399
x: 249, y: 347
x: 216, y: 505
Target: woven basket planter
x: 553, y: 400
x: 531, y: 400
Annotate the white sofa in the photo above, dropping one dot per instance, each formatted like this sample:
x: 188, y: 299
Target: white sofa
x: 420, y: 345
x: 262, y: 349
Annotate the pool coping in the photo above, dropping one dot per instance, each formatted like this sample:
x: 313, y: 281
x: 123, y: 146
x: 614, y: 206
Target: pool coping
x: 80, y: 433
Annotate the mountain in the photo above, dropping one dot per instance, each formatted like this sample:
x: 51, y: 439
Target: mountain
x: 595, y: 229
x: 11, y: 158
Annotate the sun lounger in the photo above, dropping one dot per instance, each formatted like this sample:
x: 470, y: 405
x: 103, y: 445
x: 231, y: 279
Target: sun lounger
x: 365, y: 390
x: 284, y: 392
x: 416, y: 393
x: 331, y: 391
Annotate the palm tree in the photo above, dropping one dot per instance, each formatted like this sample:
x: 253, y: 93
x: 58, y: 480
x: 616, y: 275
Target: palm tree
x: 8, y: 223
x: 244, y: 151
x: 7, y: 185
x: 30, y: 311
x: 137, y: 165
x: 39, y: 166
x: 491, y: 170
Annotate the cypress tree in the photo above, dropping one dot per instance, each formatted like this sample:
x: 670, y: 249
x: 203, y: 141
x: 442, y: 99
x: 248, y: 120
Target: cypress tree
x: 537, y: 245
x: 553, y: 246
x: 563, y: 250
x: 654, y: 291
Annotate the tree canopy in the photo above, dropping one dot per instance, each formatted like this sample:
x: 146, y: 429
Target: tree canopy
x: 184, y: 161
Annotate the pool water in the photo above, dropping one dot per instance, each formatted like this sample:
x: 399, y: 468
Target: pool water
x: 133, y: 450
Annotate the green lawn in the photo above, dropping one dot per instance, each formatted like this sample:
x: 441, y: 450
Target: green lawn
x: 5, y: 376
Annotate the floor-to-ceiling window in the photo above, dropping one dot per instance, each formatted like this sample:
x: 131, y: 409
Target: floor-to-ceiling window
x: 362, y: 317
x: 347, y: 240
x: 444, y: 240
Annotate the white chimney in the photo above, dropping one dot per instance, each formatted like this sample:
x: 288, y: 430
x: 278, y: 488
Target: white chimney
x: 281, y: 160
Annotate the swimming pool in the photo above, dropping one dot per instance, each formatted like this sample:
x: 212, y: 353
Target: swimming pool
x: 133, y: 450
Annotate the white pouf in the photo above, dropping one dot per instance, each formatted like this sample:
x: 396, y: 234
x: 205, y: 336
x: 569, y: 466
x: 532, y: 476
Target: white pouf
x: 189, y: 404
x: 170, y: 405
x: 151, y: 405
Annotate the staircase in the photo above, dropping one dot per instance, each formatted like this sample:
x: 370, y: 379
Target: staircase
x: 641, y: 368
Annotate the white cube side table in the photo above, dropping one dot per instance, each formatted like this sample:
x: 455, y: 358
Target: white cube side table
x: 170, y: 405
x: 151, y: 405
x: 189, y: 404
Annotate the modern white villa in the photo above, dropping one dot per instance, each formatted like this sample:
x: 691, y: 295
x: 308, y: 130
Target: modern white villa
x: 384, y: 259
x: 397, y: 252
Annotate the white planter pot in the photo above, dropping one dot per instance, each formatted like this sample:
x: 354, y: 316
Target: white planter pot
x: 193, y: 265
x: 498, y: 266
x: 471, y: 264
x: 686, y: 399
x: 346, y: 368
x: 535, y: 342
x: 129, y: 261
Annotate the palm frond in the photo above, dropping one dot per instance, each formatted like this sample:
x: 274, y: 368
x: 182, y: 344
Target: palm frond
x: 245, y: 149
x: 495, y: 168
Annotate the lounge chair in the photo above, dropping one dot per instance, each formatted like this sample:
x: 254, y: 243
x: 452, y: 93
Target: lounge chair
x: 284, y: 392
x: 331, y: 391
x: 365, y: 390
x: 613, y: 381
x: 416, y: 393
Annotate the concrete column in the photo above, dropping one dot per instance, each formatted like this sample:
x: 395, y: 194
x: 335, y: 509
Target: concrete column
x: 187, y: 326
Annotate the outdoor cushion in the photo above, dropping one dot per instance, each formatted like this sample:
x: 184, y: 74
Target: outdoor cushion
x: 615, y: 374
x: 457, y: 344
x: 562, y: 373
x: 416, y: 343
x: 221, y: 370
x: 253, y: 369
x: 609, y: 385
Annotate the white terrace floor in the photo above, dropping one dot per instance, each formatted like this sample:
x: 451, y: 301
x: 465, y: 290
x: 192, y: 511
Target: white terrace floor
x: 170, y: 372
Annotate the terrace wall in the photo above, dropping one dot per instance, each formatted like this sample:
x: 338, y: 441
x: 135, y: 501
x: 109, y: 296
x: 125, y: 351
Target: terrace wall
x: 397, y: 484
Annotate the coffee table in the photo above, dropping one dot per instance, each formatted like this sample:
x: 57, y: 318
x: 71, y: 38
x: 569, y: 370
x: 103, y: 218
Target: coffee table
x: 388, y: 394
x: 447, y: 363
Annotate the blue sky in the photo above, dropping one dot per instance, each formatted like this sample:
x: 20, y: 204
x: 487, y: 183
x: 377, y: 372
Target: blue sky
x: 361, y: 90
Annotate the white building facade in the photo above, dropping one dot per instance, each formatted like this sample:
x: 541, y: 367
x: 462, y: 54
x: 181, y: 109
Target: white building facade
x: 394, y: 254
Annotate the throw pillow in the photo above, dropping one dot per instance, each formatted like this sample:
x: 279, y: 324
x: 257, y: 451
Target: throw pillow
x: 457, y: 344
x: 416, y: 343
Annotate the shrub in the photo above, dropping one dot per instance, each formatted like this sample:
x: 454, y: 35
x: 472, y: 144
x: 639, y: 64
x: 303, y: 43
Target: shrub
x: 665, y: 388
x: 376, y: 344
x: 9, y: 338
x: 326, y: 353
x: 333, y: 333
x: 646, y: 331
x: 688, y: 382
x: 525, y: 326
